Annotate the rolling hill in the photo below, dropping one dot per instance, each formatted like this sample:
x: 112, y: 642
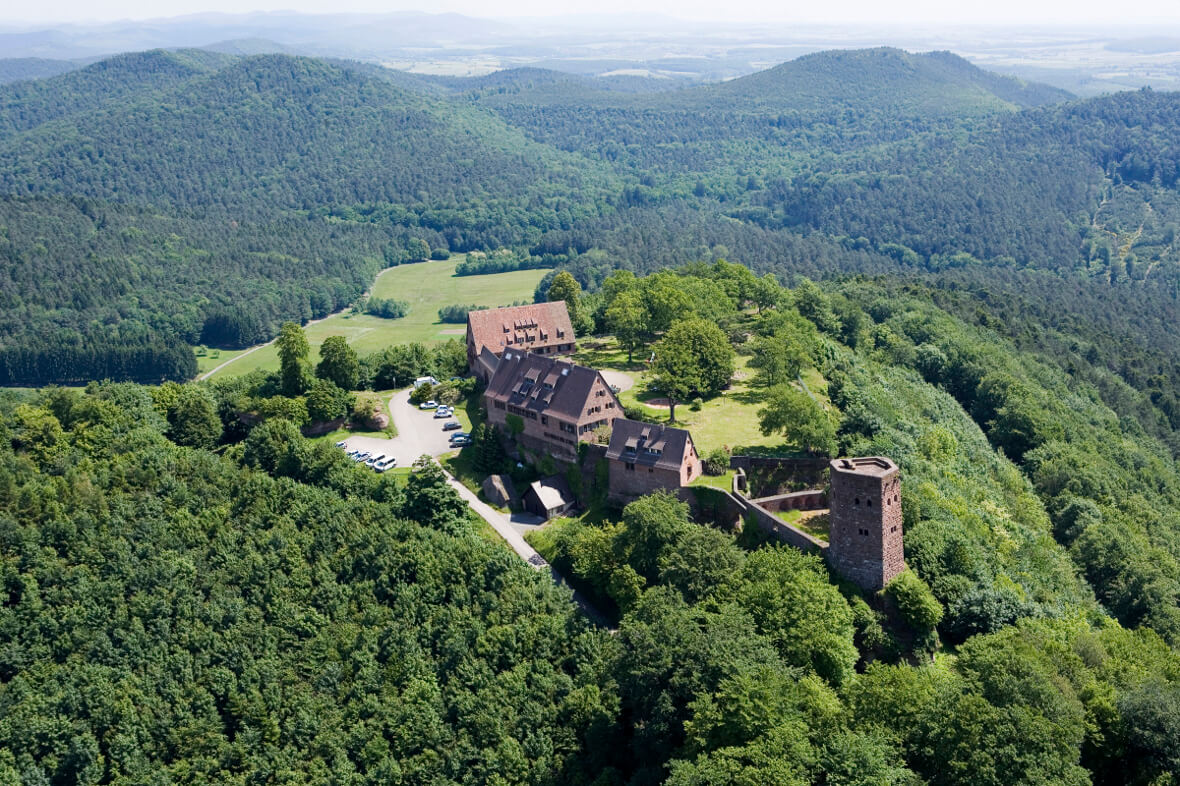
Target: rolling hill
x: 302, y: 176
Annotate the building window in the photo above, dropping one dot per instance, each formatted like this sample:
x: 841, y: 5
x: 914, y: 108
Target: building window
x: 869, y: 502
x: 631, y: 466
x: 499, y: 405
x: 858, y: 500
x: 893, y: 529
x: 544, y: 420
x: 649, y: 469
x: 863, y: 531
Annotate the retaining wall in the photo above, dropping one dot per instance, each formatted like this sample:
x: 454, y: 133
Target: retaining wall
x: 768, y: 476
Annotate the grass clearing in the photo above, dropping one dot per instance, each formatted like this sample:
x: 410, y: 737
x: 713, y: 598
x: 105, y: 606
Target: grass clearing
x: 814, y: 522
x: 723, y: 482
x: 729, y: 420
x: 426, y: 286
x: 209, y: 359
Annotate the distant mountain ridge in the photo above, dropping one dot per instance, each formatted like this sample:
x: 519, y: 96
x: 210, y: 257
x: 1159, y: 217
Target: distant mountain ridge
x: 287, y: 131
x: 883, y: 79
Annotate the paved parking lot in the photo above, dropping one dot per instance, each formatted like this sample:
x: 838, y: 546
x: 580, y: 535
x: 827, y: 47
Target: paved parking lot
x: 418, y: 432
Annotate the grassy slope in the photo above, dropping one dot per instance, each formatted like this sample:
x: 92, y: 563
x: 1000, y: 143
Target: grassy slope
x: 426, y: 286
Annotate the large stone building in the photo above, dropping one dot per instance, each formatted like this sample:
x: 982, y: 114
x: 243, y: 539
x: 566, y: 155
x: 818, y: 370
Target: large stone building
x: 559, y: 402
x: 865, y: 536
x: 541, y: 328
x: 644, y: 457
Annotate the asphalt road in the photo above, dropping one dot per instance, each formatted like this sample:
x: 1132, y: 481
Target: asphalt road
x: 418, y: 433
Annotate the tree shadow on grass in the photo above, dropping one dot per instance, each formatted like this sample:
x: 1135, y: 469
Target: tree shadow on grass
x: 750, y: 396
x: 773, y: 451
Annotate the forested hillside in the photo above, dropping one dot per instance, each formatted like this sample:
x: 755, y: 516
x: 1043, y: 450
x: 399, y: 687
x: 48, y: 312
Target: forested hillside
x: 315, y: 175
x: 269, y: 609
x: 148, y: 196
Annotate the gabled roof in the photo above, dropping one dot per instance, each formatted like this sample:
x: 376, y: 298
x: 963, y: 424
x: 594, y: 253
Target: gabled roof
x: 648, y: 444
x: 536, y: 325
x: 553, y: 492
x: 545, y: 385
x: 488, y: 360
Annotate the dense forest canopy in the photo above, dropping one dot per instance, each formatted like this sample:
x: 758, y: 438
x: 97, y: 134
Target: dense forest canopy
x: 217, y: 601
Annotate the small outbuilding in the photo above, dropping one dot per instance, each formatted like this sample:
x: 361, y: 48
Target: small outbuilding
x: 549, y: 497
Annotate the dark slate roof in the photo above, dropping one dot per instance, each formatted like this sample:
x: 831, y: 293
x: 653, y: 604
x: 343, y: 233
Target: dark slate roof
x: 489, y: 360
x: 545, y: 385
x: 648, y: 444
x: 526, y: 327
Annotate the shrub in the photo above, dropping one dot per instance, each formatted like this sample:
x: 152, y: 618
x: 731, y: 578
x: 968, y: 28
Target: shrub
x: 422, y: 393
x: 915, y: 602
x: 696, y: 404
x: 386, y: 308
x: 456, y: 313
x: 716, y: 462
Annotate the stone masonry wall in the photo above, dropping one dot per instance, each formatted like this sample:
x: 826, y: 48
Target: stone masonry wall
x: 865, y: 526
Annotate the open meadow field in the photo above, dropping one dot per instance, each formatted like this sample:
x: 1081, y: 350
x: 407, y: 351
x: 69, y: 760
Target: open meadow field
x: 427, y: 287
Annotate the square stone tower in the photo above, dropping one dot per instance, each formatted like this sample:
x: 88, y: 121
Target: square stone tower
x: 865, y: 521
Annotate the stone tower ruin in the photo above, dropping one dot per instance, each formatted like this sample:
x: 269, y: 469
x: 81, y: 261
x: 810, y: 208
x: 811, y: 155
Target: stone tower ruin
x: 865, y: 521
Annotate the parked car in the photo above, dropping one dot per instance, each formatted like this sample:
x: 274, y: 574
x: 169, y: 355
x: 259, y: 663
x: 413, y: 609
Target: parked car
x: 444, y: 412
x: 353, y: 453
x: 362, y: 456
x: 372, y: 461
x: 460, y: 440
x: 381, y: 466
x: 428, y: 405
x: 341, y: 444
x: 451, y: 425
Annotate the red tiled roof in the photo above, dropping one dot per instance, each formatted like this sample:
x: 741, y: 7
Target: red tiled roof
x: 520, y: 327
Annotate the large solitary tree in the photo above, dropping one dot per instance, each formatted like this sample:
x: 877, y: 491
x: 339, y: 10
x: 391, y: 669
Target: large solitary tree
x: 339, y: 363
x: 627, y: 319
x: 294, y: 370
x: 565, y: 287
x: 694, y: 356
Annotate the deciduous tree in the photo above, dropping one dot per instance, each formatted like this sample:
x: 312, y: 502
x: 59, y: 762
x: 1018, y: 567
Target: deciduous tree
x: 694, y: 356
x: 339, y: 363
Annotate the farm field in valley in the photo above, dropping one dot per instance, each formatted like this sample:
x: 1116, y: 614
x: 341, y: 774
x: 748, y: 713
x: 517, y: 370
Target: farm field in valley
x: 427, y: 287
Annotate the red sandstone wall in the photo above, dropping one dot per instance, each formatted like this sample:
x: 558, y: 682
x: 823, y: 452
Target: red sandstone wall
x: 626, y: 484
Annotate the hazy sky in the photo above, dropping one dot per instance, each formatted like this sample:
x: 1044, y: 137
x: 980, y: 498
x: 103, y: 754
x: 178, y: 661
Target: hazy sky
x: 898, y: 11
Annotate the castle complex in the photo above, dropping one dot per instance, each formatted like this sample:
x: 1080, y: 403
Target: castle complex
x: 865, y: 532
x: 558, y: 403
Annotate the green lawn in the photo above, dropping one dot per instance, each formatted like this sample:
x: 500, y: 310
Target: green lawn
x: 727, y: 420
x: 815, y: 525
x: 426, y: 286
x: 723, y: 482
x: 209, y: 359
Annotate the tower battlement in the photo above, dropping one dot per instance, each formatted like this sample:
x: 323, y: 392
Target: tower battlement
x: 865, y: 533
